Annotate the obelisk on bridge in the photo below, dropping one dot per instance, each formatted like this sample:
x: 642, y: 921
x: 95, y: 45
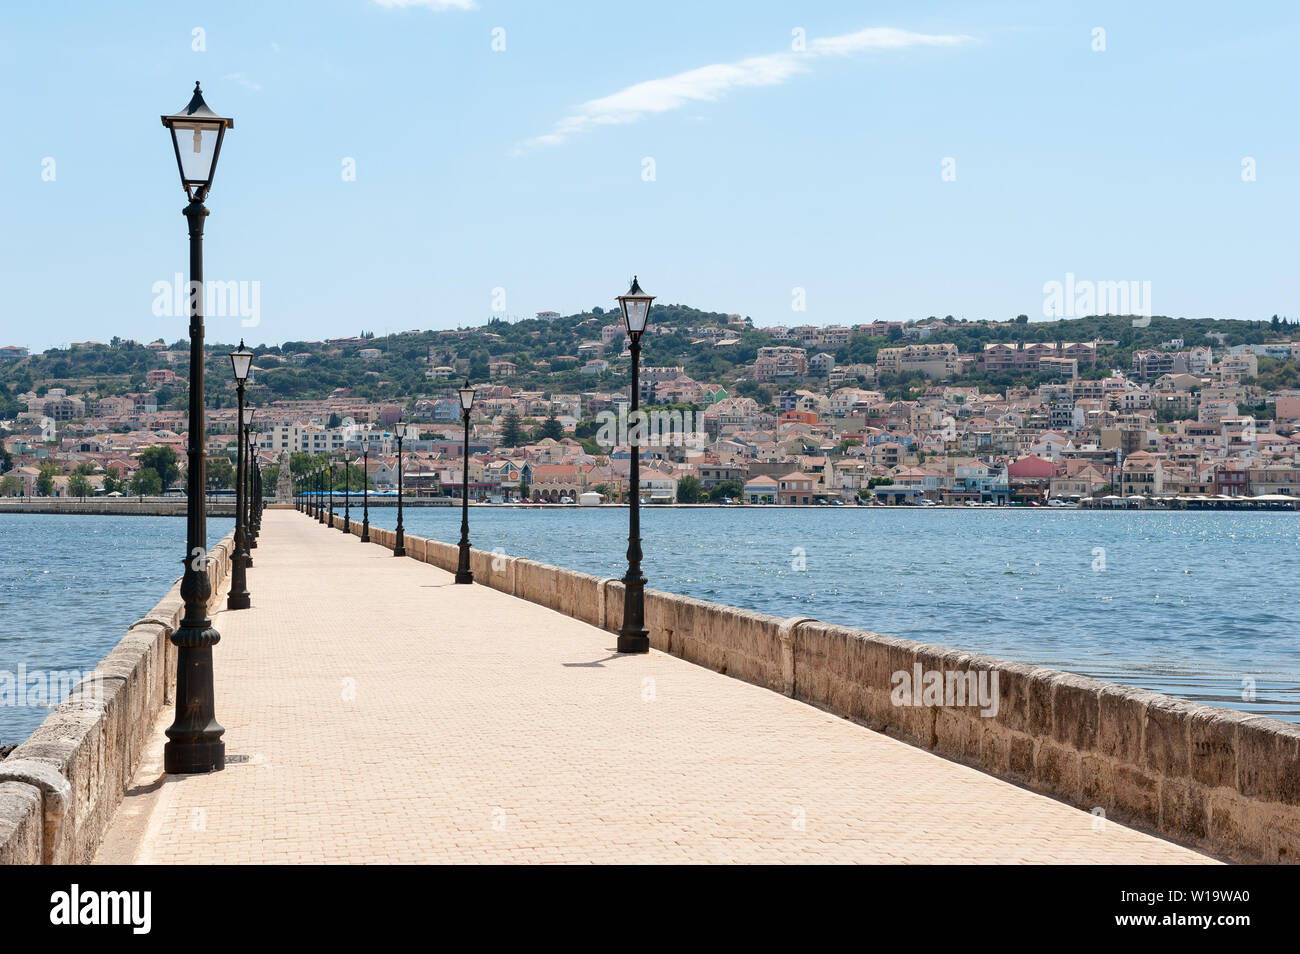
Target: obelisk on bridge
x: 284, y: 486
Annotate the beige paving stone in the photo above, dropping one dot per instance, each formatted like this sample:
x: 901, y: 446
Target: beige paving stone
x: 376, y: 712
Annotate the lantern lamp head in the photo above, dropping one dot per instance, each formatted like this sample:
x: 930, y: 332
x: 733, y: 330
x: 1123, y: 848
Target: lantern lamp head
x: 242, y: 361
x: 197, y: 134
x: 636, y: 309
x: 466, y: 397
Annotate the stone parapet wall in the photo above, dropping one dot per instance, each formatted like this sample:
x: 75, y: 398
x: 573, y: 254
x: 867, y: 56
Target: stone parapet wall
x: 60, y: 788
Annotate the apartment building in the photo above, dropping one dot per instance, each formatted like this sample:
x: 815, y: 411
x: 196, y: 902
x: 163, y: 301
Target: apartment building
x: 932, y: 360
x: 796, y: 488
x: 780, y: 361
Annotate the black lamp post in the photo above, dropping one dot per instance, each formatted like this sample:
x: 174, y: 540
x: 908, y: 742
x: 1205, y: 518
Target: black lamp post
x: 365, y: 494
x: 329, y: 476
x: 194, y: 739
x: 634, y: 637
x: 320, y: 494
x: 252, y: 523
x: 259, y: 499
x: 241, y: 359
x: 347, y: 493
x: 399, y: 547
x: 463, y: 572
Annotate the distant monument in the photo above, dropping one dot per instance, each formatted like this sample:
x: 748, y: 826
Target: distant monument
x: 284, y: 486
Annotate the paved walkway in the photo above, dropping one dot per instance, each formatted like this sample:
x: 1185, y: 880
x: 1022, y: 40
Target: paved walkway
x: 375, y: 712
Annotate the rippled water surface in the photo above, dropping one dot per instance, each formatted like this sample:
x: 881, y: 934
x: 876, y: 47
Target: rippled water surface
x: 70, y: 585
x: 1192, y: 604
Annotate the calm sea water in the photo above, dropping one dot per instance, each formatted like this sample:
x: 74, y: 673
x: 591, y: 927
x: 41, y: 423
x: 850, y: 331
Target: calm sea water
x: 1191, y: 604
x: 70, y: 585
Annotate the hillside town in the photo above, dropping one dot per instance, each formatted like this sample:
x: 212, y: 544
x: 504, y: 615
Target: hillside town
x: 793, y: 421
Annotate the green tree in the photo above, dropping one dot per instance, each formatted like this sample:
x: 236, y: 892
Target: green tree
x: 301, y: 462
x: 113, y: 481
x: 162, y: 461
x: 10, y: 485
x: 45, y: 482
x: 145, y: 482
x: 512, y: 434
x: 221, y: 473
x: 352, y: 476
x: 552, y: 427
x: 688, y: 490
x: 728, y: 489
x: 79, y: 486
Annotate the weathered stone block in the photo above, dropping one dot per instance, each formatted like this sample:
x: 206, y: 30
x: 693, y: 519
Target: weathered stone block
x: 1097, y: 782
x: 1268, y: 759
x: 957, y: 733
x: 1058, y: 769
x: 1282, y: 840
x: 1014, y: 681
x: 1238, y: 825
x: 995, y: 748
x: 1212, y: 737
x: 1022, y: 757
x: 1184, y: 808
x: 1137, y: 793
x: 1121, y: 717
x: 1165, y: 740
x: 1041, y: 689
x: 1077, y: 711
x: 20, y: 824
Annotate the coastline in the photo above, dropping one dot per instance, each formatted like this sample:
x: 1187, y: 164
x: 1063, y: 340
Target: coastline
x: 172, y: 507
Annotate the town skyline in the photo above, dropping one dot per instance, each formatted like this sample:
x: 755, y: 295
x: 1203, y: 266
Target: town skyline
x: 923, y: 413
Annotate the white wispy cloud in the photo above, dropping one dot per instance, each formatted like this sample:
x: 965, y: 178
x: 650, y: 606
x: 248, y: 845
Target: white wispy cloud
x: 711, y: 83
x: 431, y: 4
x: 243, y: 81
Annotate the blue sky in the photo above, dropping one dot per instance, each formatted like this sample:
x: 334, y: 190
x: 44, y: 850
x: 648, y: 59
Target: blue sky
x: 523, y: 169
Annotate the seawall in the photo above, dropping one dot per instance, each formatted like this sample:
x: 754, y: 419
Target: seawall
x: 1223, y: 781
x: 60, y: 788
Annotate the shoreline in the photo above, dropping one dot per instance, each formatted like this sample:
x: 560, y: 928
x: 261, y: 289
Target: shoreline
x: 225, y: 510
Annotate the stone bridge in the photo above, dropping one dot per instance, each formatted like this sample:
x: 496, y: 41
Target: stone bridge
x: 376, y: 712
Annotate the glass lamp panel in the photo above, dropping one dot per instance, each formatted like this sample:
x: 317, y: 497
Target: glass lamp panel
x: 634, y: 313
x: 242, y: 361
x: 197, y: 143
